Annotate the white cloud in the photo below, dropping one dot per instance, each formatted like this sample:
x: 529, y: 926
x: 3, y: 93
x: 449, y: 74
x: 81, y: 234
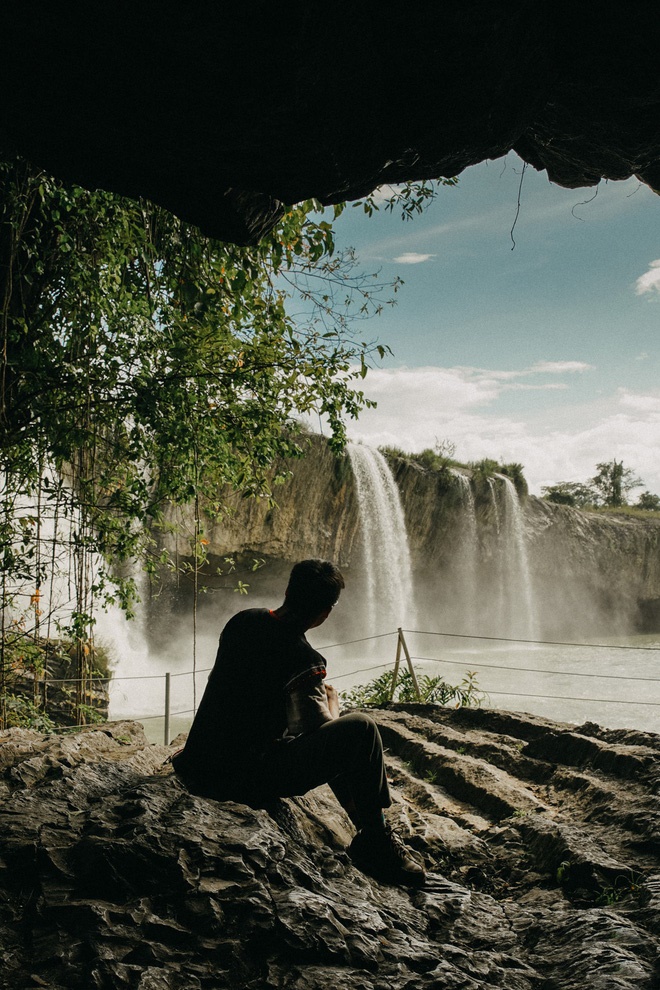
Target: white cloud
x: 526, y: 387
x: 434, y: 389
x: 647, y: 403
x: 540, y: 368
x: 412, y: 258
x: 650, y: 280
x: 559, y: 367
x: 417, y: 406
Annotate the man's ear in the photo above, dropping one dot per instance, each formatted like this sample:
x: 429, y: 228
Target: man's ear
x: 320, y: 619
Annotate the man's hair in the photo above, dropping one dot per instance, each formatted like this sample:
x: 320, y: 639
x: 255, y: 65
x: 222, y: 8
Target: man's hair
x: 313, y: 587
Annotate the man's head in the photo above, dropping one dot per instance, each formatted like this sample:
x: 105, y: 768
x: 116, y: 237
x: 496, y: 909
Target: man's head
x: 313, y: 588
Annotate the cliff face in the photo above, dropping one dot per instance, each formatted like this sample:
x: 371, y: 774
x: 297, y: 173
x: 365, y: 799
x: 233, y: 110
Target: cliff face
x: 316, y: 514
x: 476, y: 557
x: 579, y: 557
x: 541, y: 840
x: 586, y: 571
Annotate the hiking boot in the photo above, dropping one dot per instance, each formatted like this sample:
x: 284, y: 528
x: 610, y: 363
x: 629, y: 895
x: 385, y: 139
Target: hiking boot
x: 383, y: 855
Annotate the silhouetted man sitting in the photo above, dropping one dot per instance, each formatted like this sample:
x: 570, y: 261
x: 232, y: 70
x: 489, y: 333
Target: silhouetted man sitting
x: 269, y: 727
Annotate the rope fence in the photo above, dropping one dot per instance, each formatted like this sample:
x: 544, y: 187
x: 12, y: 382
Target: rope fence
x: 403, y: 654
x: 538, y: 670
x: 530, y: 642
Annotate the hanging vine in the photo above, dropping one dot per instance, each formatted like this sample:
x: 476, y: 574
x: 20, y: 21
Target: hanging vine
x: 144, y: 365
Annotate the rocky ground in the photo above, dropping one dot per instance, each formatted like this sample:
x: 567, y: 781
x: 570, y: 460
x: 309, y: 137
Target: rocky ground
x: 542, y: 842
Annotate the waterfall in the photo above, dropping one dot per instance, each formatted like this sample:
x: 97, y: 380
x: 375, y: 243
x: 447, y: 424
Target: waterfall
x: 62, y: 595
x: 496, y: 610
x: 468, y: 563
x: 520, y: 606
x: 386, y: 555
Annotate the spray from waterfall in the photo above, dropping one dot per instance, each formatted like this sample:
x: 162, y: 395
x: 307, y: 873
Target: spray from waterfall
x: 64, y: 602
x: 386, y: 554
x: 498, y: 610
x: 468, y: 561
x: 521, y: 618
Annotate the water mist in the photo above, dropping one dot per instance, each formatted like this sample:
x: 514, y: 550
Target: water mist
x: 386, y: 562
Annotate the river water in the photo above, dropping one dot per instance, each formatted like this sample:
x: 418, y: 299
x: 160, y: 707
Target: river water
x: 614, y: 687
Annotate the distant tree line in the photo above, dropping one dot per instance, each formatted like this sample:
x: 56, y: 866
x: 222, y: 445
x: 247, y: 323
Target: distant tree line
x: 610, y: 486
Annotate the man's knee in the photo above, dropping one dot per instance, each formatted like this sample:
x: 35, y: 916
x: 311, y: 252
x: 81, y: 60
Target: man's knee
x: 360, y: 720
x: 361, y: 728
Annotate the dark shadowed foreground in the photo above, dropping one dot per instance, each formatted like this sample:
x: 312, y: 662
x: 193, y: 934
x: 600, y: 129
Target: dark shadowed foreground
x: 543, y: 843
x: 221, y: 112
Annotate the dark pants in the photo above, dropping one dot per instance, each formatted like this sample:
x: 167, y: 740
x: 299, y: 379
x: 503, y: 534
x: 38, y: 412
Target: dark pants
x: 346, y: 753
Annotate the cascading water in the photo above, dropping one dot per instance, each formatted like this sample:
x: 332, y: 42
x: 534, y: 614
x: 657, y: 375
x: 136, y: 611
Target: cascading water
x: 521, y: 619
x: 497, y: 611
x: 468, y: 561
x: 62, y: 602
x: 386, y: 555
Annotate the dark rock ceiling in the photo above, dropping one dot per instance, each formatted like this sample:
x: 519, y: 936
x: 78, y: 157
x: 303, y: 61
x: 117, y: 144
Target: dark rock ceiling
x: 222, y: 111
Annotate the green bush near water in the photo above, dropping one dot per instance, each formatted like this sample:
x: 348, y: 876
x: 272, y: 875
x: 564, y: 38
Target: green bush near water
x: 23, y: 713
x: 433, y: 691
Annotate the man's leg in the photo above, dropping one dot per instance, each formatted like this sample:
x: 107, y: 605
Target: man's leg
x: 347, y: 753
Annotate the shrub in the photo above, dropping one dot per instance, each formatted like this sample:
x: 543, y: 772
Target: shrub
x: 22, y: 713
x: 647, y: 500
x: 394, y: 453
x: 433, y: 691
x: 515, y: 473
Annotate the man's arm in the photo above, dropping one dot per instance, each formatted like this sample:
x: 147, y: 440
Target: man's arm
x: 307, y: 702
x: 333, y: 700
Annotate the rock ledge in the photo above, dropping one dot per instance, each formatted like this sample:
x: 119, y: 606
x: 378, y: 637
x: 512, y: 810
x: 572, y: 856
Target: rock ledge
x: 542, y: 841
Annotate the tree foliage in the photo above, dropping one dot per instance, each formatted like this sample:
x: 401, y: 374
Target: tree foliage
x: 609, y: 487
x: 410, y: 198
x: 574, y: 493
x: 171, y: 361
x: 127, y: 330
x: 648, y: 501
x: 613, y: 483
x: 143, y: 363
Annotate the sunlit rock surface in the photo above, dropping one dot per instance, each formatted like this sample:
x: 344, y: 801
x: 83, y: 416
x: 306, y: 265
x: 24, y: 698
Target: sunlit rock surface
x: 542, y: 843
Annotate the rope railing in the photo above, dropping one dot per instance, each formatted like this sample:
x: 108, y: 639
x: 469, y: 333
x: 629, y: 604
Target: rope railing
x: 403, y: 651
x: 124, y: 677
x: 529, y: 642
x: 95, y: 725
x: 566, y: 697
x: 536, y: 670
x: 362, y: 670
x: 364, y: 639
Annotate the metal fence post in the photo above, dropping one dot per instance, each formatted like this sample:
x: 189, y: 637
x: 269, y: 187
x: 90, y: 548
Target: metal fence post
x: 395, y: 672
x: 166, y: 730
x: 402, y: 642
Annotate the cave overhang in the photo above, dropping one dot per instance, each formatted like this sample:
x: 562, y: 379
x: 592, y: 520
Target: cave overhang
x: 223, y: 112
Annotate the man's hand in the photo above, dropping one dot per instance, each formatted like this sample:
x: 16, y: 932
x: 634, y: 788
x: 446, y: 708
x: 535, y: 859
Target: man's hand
x: 333, y: 700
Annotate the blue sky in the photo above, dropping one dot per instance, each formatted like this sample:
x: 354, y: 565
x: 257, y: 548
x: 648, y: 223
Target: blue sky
x: 546, y: 354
